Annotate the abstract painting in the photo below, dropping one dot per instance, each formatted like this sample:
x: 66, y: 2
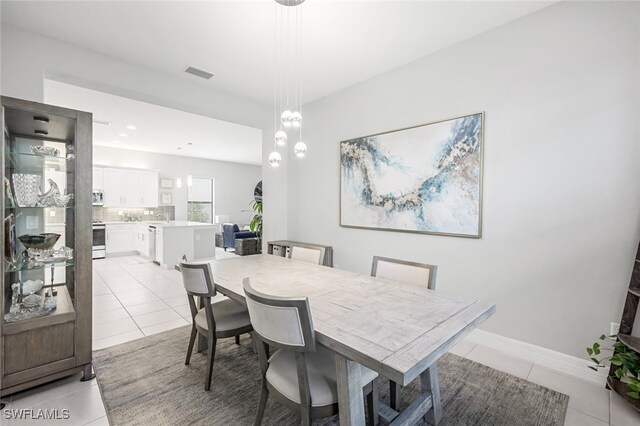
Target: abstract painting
x: 425, y: 179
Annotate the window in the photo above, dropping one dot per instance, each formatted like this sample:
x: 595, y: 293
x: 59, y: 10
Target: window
x: 200, y: 200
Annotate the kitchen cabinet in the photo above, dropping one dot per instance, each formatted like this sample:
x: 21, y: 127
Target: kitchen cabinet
x: 120, y: 238
x: 130, y: 188
x: 113, y: 185
x: 141, y: 239
x: 98, y: 179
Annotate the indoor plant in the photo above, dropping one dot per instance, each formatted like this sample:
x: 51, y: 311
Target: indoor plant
x: 625, y: 361
x: 256, y: 221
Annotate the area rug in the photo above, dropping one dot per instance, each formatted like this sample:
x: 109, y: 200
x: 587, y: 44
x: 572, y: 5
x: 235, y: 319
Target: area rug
x: 145, y: 382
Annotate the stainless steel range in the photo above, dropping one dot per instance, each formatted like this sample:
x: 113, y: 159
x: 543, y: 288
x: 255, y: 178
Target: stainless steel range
x: 99, y: 240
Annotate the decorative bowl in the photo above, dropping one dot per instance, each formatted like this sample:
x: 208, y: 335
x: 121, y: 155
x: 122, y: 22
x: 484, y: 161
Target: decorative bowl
x: 39, y: 241
x: 32, y: 286
x: 45, y: 150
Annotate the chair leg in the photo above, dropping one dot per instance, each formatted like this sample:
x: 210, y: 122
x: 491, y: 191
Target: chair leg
x: 305, y: 414
x: 262, y: 405
x: 372, y: 403
x: 211, y: 354
x: 394, y: 395
x: 238, y: 339
x: 192, y: 341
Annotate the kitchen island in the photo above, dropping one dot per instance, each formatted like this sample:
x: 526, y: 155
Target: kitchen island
x: 162, y: 242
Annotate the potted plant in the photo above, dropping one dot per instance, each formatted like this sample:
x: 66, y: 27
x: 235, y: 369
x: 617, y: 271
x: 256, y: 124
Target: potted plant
x: 256, y: 221
x: 626, y: 362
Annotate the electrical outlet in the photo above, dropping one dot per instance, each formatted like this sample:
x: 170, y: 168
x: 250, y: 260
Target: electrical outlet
x: 615, y: 328
x: 32, y: 222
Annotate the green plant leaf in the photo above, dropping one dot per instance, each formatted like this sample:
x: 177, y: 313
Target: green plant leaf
x: 603, y: 337
x: 592, y: 367
x: 590, y: 351
x: 634, y: 395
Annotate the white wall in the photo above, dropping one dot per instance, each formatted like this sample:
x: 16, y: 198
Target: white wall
x: 560, y: 89
x: 274, y: 190
x: 234, y: 183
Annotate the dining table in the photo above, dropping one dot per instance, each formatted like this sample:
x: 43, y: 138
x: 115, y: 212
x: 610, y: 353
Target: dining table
x: 396, y: 329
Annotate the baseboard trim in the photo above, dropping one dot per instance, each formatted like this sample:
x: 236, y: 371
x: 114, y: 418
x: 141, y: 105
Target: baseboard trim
x: 544, y: 357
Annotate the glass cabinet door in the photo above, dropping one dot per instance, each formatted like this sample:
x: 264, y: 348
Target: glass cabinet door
x: 39, y: 232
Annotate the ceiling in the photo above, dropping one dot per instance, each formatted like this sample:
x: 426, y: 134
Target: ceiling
x: 344, y: 42
x: 158, y: 129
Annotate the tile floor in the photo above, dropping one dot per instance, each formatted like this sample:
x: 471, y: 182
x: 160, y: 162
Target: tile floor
x: 134, y: 298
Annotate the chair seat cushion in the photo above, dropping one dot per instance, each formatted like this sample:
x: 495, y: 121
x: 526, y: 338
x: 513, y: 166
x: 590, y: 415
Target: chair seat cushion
x: 282, y: 374
x: 229, y: 315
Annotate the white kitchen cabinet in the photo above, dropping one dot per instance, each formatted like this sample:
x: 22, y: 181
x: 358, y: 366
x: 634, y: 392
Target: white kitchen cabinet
x: 98, y: 179
x: 120, y: 238
x: 149, y: 189
x: 141, y: 238
x: 130, y: 188
x: 113, y: 186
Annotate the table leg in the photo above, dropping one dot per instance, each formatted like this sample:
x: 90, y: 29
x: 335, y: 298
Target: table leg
x: 350, y: 395
x: 429, y: 383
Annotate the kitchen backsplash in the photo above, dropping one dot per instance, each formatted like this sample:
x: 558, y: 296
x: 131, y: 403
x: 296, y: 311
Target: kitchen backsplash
x: 111, y: 214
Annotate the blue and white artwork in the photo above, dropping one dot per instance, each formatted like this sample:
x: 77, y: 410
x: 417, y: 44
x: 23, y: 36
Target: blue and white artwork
x: 421, y: 179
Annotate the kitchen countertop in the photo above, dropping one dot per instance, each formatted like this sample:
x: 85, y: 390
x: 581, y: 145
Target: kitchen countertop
x: 162, y: 224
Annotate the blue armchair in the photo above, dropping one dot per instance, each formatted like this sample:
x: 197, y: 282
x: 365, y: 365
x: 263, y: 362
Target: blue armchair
x: 231, y: 233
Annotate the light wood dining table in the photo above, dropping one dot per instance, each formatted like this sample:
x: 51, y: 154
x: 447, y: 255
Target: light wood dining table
x: 396, y: 329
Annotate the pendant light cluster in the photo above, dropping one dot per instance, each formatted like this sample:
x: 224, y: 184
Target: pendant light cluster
x: 287, y: 99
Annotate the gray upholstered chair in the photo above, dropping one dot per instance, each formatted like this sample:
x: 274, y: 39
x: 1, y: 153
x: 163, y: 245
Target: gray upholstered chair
x: 305, y: 254
x: 407, y: 272
x: 226, y: 318
x: 300, y: 374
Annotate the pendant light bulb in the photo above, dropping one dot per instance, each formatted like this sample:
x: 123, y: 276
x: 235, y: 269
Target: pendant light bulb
x: 300, y: 149
x: 275, y: 158
x: 281, y: 138
x: 296, y: 119
x: 286, y: 118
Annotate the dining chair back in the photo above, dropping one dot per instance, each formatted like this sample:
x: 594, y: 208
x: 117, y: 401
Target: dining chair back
x: 306, y: 254
x: 404, y: 271
x: 281, y: 322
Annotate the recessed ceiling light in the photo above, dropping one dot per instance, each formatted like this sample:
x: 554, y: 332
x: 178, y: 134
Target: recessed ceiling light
x: 189, y: 143
x: 123, y: 135
x: 131, y: 127
x: 104, y: 123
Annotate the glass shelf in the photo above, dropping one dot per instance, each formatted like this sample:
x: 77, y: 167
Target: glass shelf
x: 31, y: 163
x: 10, y: 267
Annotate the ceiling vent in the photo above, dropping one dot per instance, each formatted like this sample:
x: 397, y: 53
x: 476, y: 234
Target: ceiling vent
x: 198, y: 73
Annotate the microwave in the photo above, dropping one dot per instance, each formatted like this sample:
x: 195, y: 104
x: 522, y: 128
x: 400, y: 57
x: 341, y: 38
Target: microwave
x: 97, y: 198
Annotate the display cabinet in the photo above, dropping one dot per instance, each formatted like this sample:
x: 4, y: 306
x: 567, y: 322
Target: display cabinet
x: 46, y: 302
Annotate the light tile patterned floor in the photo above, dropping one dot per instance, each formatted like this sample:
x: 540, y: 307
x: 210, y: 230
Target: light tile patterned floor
x: 134, y: 298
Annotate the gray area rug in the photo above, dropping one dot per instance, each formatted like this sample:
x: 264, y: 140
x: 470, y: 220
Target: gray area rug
x: 145, y: 382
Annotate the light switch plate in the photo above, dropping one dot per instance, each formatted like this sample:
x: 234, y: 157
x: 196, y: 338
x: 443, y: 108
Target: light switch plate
x: 32, y: 222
